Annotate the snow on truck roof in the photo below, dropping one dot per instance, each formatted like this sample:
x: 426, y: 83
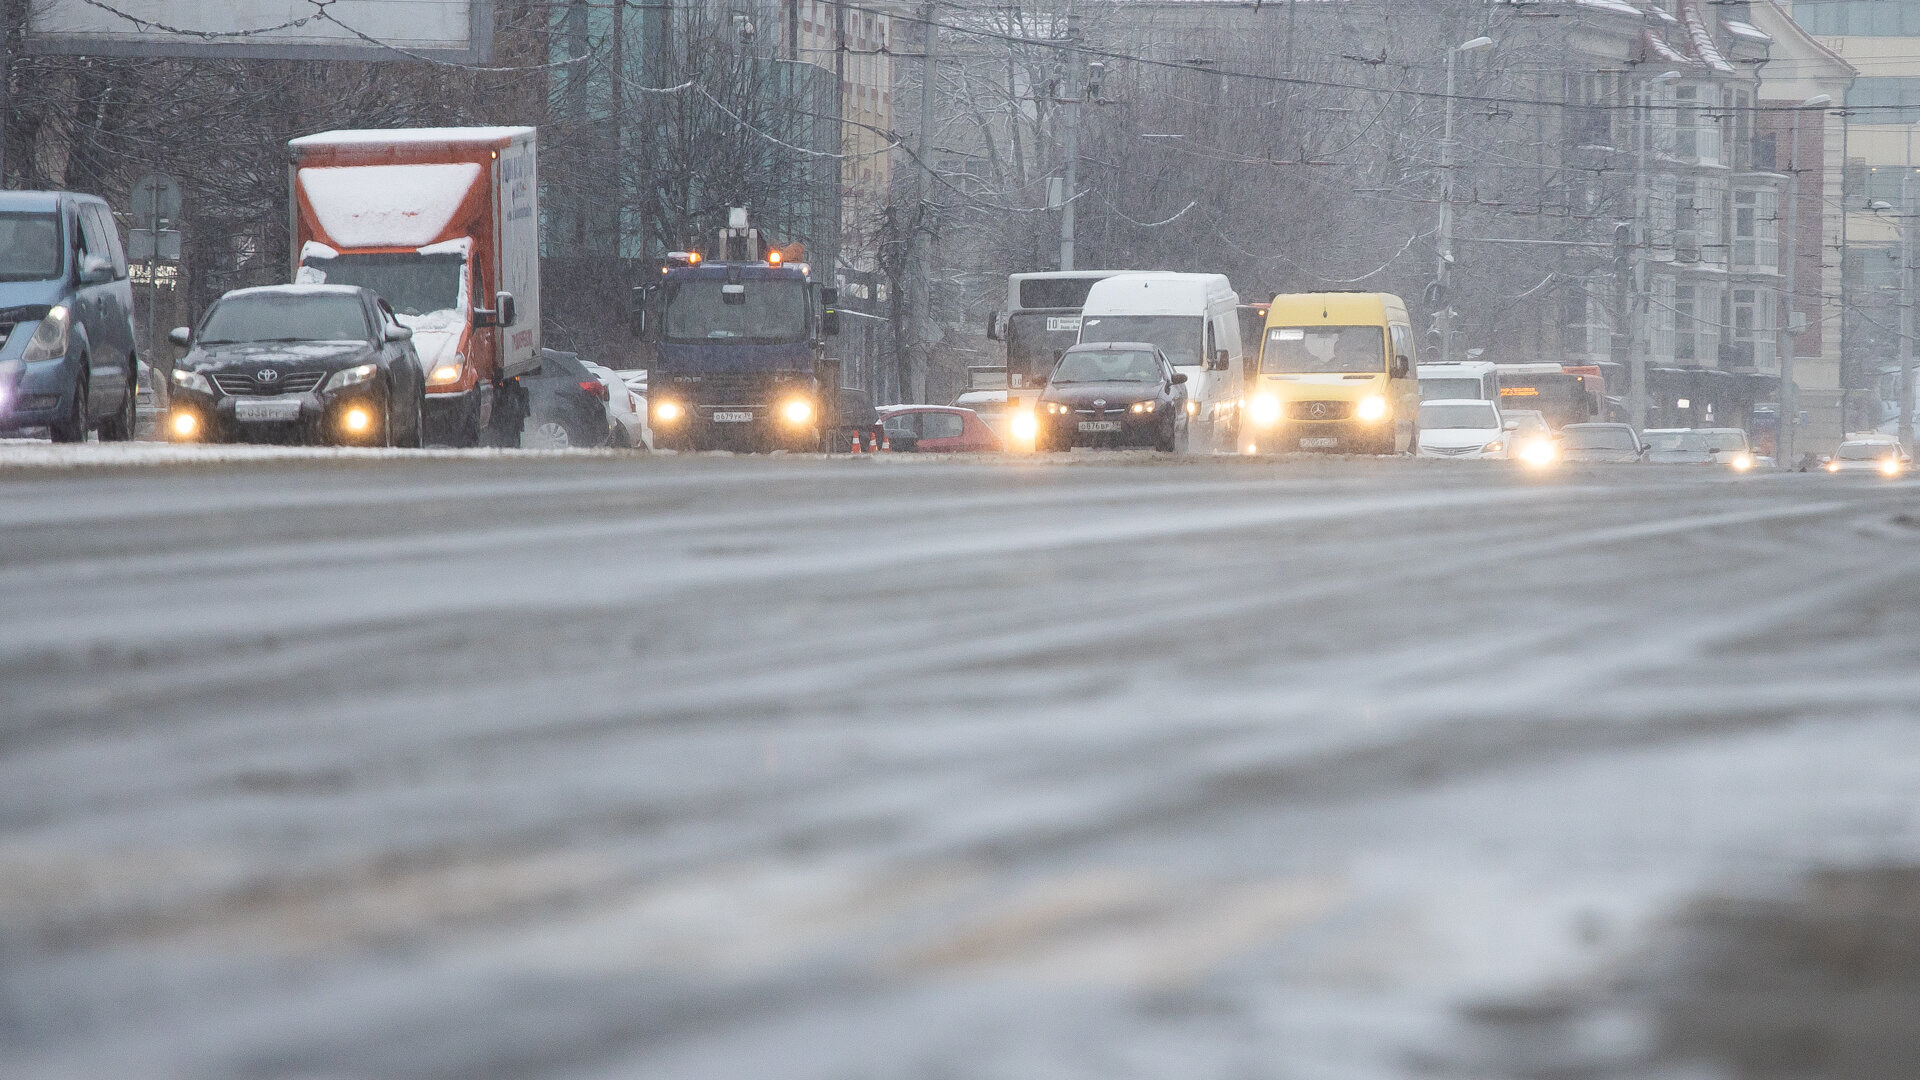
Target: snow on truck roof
x: 389, y: 137
x: 387, y: 205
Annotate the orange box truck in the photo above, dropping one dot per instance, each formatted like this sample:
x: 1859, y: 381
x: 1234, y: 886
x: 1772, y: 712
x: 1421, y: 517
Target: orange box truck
x: 444, y: 224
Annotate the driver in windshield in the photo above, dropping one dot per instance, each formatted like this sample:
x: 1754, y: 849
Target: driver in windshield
x: 1105, y: 366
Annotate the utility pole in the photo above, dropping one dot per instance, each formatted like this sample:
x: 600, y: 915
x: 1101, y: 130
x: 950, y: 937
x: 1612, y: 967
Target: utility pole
x: 1443, y: 245
x: 1783, y: 320
x: 919, y: 360
x: 1071, y: 138
x: 1640, y: 343
x: 1906, y: 313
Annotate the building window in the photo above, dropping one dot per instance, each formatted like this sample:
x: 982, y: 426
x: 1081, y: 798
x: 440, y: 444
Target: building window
x: 1696, y: 335
x: 1756, y: 237
x: 1858, y: 18
x: 1686, y: 119
x: 1663, y: 199
x: 1752, y: 328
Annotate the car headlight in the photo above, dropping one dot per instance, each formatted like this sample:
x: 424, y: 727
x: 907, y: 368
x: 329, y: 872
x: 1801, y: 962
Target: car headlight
x: 1493, y: 447
x: 1373, y: 408
x: 353, y: 376
x: 1142, y: 407
x: 1833, y: 466
x: 448, y: 374
x: 1054, y: 408
x: 1743, y: 462
x: 1265, y: 410
x: 1537, y: 452
x: 49, y: 341
x: 1890, y: 466
x: 668, y: 411
x: 1193, y: 407
x: 797, y: 411
x: 187, y: 379
x: 1024, y: 425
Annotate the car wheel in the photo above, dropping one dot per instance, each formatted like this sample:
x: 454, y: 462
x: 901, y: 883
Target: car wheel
x: 553, y: 434
x: 119, y: 427
x: 74, y: 428
x: 1168, y: 441
x: 417, y: 431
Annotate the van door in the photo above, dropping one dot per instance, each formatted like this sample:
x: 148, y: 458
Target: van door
x: 93, y: 308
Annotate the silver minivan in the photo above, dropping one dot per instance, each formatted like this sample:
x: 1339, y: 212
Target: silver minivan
x: 69, y: 363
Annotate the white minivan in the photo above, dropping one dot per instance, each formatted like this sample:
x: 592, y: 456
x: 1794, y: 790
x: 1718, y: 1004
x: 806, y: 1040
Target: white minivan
x: 1195, y: 320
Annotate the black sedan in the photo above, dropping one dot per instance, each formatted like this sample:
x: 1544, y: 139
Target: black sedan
x: 1113, y: 393
x: 298, y: 363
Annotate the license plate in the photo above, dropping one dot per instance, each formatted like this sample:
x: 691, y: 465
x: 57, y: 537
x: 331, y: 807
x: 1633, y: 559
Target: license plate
x: 1318, y: 444
x: 267, y: 409
x: 1099, y: 425
x: 733, y: 418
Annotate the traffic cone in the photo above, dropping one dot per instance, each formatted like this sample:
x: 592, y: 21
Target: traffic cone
x: 856, y: 443
x: 886, y: 444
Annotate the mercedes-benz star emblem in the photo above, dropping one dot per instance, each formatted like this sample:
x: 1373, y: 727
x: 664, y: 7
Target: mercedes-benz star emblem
x: 1319, y: 410
x: 266, y: 375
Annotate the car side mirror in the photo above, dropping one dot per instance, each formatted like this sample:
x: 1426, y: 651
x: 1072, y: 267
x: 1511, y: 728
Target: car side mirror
x: 95, y: 269
x: 1401, y: 366
x: 1039, y: 381
x: 1646, y: 448
x: 181, y: 336
x: 1511, y: 425
x: 399, y: 333
x: 637, y: 313
x: 993, y: 325
x: 1179, y: 378
x: 830, y: 322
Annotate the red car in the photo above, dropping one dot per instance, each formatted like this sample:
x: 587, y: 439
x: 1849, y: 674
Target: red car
x: 938, y: 429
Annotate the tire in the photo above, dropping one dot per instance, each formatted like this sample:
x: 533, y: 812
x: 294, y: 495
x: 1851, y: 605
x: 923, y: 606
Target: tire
x: 1183, y: 443
x: 417, y: 431
x: 553, y: 435
x: 1166, y: 444
x: 119, y: 427
x: 74, y: 428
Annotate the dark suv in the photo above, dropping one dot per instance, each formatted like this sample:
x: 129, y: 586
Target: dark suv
x: 66, y: 316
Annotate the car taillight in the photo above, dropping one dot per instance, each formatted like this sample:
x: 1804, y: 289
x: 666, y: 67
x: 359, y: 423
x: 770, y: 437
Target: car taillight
x: 597, y: 389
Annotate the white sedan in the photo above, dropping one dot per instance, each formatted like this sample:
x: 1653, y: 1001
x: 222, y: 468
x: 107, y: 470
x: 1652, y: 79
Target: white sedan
x: 1463, y: 428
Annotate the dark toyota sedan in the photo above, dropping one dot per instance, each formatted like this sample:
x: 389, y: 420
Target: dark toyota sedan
x: 1113, y: 393
x: 298, y: 363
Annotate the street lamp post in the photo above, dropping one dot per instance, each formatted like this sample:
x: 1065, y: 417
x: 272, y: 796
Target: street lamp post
x: 1443, y: 274
x: 1784, y: 343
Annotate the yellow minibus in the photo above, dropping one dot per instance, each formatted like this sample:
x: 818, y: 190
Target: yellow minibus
x: 1336, y: 372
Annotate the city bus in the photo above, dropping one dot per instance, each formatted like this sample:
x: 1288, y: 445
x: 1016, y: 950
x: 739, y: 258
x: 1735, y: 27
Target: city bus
x: 1564, y: 395
x: 1041, y: 320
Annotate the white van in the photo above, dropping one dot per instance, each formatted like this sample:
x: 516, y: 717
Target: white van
x: 1459, y: 380
x: 1195, y: 320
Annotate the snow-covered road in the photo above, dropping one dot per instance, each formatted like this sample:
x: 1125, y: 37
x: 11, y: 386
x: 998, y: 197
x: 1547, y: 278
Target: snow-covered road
x: 507, y: 766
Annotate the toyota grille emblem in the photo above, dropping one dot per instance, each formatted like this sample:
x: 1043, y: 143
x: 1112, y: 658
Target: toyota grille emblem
x: 1099, y: 403
x: 1319, y: 410
x: 266, y: 375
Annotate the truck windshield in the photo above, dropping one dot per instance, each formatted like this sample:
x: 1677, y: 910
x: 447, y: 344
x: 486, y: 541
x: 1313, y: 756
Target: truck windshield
x: 1179, y: 336
x: 414, y: 285
x: 29, y: 247
x: 774, y: 312
x: 1296, y: 350
x: 286, y: 317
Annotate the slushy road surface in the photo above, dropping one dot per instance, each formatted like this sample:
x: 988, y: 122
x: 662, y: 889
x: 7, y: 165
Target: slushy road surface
x: 581, y: 766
